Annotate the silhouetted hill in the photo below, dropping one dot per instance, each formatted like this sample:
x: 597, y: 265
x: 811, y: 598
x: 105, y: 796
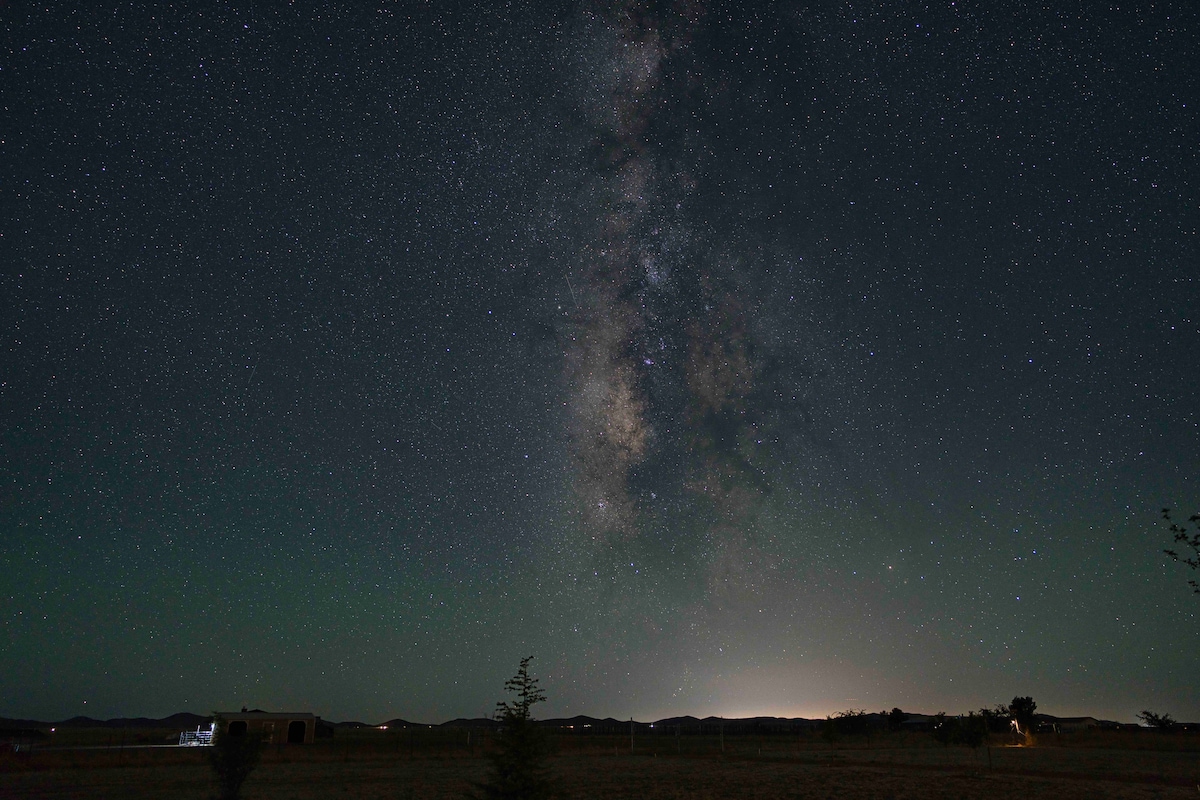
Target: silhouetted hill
x: 81, y: 722
x: 403, y: 723
x: 182, y: 720
x: 581, y: 722
x: 478, y: 722
x: 682, y: 721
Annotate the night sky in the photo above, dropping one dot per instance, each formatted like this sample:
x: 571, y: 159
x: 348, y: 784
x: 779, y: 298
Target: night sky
x: 727, y: 358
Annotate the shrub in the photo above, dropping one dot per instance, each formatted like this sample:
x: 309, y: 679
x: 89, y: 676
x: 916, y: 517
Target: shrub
x: 945, y: 729
x: 233, y: 757
x: 972, y: 730
x: 1162, y: 722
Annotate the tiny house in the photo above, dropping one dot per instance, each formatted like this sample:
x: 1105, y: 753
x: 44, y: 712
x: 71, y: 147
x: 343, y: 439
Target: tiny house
x: 283, y: 728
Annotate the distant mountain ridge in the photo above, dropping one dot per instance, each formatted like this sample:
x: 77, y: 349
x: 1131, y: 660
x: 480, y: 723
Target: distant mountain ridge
x: 181, y: 720
x: 186, y: 721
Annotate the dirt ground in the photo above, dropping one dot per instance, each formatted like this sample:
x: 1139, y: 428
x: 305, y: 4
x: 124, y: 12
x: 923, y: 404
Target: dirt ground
x: 769, y: 769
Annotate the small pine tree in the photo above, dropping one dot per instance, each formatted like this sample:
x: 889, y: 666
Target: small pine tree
x: 233, y: 757
x: 519, y: 761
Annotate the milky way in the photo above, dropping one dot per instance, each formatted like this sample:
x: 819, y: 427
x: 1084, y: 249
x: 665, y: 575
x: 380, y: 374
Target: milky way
x: 688, y: 377
x: 657, y: 353
x: 728, y: 358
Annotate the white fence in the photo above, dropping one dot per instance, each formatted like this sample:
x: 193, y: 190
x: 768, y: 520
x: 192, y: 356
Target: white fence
x: 200, y: 737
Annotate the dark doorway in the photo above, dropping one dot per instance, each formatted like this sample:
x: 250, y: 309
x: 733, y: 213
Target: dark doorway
x: 237, y: 727
x: 296, y: 731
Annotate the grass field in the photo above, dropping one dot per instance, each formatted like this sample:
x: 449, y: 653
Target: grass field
x: 441, y: 763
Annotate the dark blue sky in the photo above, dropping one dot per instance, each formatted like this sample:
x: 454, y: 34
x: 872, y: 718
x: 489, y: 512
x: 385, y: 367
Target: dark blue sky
x: 729, y: 360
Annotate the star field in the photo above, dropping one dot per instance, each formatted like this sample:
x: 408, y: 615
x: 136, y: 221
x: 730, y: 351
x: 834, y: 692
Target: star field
x: 729, y: 360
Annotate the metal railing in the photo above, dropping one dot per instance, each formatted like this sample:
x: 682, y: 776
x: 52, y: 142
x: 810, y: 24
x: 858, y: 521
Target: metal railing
x: 201, y: 737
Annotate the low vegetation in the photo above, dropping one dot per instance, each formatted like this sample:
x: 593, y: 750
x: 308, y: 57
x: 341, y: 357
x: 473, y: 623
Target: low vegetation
x: 420, y: 762
x: 852, y: 754
x: 233, y: 756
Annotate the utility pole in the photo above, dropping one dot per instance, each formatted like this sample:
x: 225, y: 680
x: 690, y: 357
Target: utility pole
x: 631, y: 735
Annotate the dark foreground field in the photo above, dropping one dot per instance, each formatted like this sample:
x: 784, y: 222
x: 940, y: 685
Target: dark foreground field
x: 442, y: 764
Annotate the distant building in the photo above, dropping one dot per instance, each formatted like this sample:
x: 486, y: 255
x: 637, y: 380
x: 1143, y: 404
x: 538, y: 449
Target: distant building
x: 285, y: 728
x: 1073, y: 724
x: 918, y: 722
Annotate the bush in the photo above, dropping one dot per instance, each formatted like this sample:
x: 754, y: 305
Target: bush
x: 1162, y: 722
x: 945, y: 729
x: 997, y: 719
x: 972, y: 730
x: 233, y: 757
x: 829, y: 729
